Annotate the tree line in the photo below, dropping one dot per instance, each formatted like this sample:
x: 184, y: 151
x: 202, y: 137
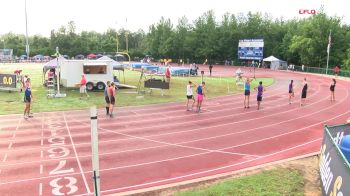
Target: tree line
x: 298, y: 41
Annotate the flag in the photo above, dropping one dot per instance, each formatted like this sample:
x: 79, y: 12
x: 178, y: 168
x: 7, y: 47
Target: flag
x: 329, y: 42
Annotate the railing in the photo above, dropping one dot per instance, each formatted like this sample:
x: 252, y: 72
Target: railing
x: 317, y: 70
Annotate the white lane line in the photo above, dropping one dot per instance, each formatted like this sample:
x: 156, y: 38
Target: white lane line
x: 110, y: 169
x: 272, y: 137
x: 187, y: 114
x: 41, y: 169
x: 5, y: 158
x: 155, y: 135
x: 41, y: 189
x: 213, y: 170
x: 42, y: 142
x: 14, y: 135
x: 76, y: 155
x: 164, y: 145
x: 41, y: 154
x: 10, y: 146
x: 247, y: 143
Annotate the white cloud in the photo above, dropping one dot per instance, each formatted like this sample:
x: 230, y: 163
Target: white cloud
x: 45, y: 15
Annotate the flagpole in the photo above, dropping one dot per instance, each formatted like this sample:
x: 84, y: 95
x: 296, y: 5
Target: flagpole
x: 328, y: 50
x: 27, y: 42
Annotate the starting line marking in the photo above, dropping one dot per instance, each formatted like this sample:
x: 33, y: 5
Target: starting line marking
x: 41, y: 189
x: 5, y: 157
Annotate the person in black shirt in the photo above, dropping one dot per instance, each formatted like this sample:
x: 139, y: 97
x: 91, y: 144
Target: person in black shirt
x: 332, y: 88
x: 210, y: 68
x: 303, y: 93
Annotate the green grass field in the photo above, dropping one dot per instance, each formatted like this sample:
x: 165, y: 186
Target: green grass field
x: 267, y: 183
x: 12, y: 103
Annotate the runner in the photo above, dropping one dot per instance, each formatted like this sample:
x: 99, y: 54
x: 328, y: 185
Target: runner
x: 261, y: 89
x: 246, y: 93
x: 200, y: 96
x: 332, y: 88
x: 303, y: 93
x: 189, y: 95
x: 111, y: 90
x: 106, y: 93
x: 291, y: 91
x: 28, y: 97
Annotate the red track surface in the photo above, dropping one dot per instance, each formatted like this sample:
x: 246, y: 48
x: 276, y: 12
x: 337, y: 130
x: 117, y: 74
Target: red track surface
x: 161, y: 144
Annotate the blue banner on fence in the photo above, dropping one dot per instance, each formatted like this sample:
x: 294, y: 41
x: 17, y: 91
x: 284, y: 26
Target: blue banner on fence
x: 334, y: 169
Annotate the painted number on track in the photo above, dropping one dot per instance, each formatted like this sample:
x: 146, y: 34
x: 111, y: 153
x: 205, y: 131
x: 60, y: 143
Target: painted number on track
x: 59, y: 169
x: 58, y: 152
x: 70, y: 185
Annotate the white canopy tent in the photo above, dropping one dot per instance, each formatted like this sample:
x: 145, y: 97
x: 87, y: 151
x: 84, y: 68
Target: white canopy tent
x: 275, y: 63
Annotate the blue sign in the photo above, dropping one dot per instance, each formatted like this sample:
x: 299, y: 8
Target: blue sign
x: 251, y: 49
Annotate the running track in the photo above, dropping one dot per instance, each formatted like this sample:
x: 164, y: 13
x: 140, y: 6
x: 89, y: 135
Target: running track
x: 148, y: 146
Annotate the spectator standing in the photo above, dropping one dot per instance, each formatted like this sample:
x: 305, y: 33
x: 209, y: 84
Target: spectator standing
x: 210, y: 68
x: 336, y: 70
x: 167, y: 74
x: 83, y: 87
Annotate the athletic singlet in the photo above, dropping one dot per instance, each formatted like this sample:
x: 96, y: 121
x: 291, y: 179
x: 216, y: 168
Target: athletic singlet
x: 260, y: 90
x: 290, y: 87
x: 246, y: 86
x: 304, y: 88
x: 199, y: 90
x: 27, y: 92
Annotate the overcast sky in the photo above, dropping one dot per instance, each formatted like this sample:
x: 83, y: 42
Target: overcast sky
x: 45, y: 15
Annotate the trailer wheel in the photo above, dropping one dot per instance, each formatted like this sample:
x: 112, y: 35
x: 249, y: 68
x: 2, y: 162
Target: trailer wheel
x: 100, y: 86
x: 89, y: 86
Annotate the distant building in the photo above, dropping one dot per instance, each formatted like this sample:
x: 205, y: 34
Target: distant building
x: 6, y: 55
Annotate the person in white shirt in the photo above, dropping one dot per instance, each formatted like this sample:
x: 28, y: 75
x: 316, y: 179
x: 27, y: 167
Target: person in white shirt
x: 189, y: 95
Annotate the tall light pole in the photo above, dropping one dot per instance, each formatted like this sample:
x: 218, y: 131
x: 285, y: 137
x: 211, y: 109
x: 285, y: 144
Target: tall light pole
x: 27, y: 42
x: 116, y: 36
x: 126, y: 36
x: 126, y: 41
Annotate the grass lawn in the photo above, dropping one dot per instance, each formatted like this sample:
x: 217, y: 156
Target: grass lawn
x: 12, y: 103
x: 270, y: 183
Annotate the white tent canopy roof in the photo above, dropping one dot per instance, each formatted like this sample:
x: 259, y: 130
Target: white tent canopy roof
x: 271, y: 59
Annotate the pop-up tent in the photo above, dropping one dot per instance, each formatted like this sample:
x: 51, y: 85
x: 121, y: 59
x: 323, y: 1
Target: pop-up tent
x: 275, y: 63
x: 116, y: 65
x: 91, y: 56
x: 52, y: 64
